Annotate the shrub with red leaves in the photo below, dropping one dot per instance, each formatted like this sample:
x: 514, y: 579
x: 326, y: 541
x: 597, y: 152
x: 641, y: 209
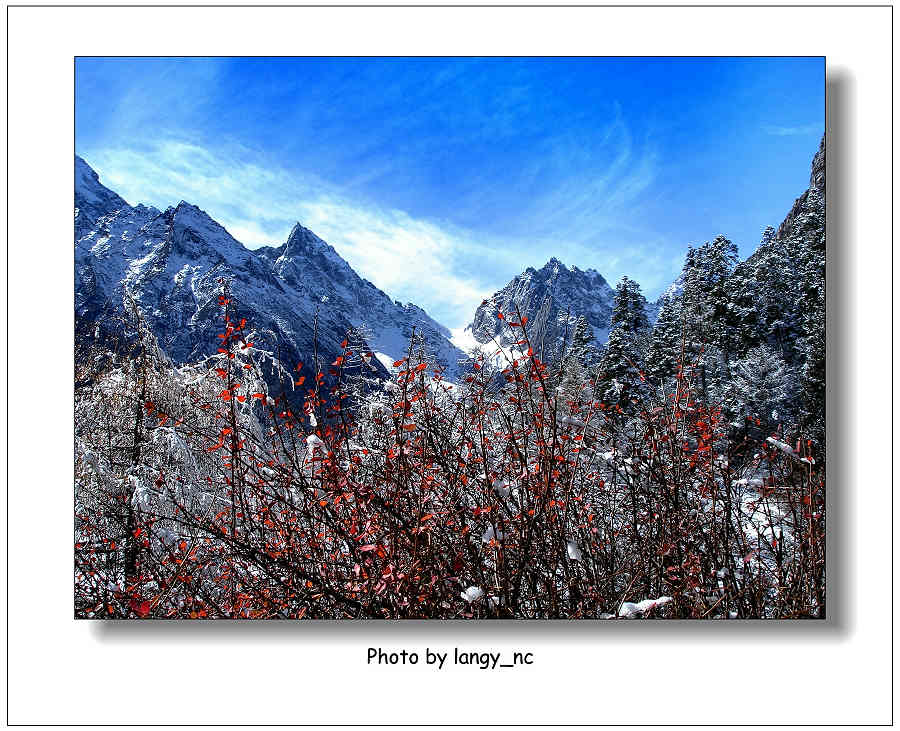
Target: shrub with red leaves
x: 514, y: 494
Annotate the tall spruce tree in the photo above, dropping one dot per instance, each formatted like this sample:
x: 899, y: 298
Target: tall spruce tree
x: 620, y: 369
x: 580, y: 356
x: 708, y: 323
x: 664, y: 349
x: 762, y: 386
x: 808, y: 244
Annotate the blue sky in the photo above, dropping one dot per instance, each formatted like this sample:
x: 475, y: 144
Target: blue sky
x: 441, y: 179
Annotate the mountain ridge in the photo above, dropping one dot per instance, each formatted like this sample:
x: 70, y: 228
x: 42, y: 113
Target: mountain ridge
x: 171, y: 264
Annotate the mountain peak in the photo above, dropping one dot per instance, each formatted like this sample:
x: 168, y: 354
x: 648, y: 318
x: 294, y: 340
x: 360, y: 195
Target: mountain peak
x: 548, y: 296
x: 302, y: 236
x: 92, y: 198
x: 88, y: 187
x: 817, y: 172
x: 84, y: 173
x: 303, y: 242
x: 190, y: 216
x: 299, y: 229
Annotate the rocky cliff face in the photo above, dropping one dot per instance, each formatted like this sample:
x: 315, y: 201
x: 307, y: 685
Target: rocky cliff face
x: 172, y: 263
x: 812, y: 197
x: 552, y: 298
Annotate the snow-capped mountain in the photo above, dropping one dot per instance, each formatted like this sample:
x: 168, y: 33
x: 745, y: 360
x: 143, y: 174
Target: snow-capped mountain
x: 92, y: 200
x: 171, y: 264
x: 552, y: 298
x: 308, y: 265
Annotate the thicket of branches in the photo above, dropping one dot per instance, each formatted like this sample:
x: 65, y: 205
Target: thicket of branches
x: 600, y: 484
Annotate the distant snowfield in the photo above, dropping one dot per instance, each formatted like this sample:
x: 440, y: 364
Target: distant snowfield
x: 464, y: 339
x: 385, y: 360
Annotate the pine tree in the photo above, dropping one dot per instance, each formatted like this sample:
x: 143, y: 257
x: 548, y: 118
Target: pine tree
x: 630, y: 307
x: 664, y: 350
x: 708, y: 324
x: 583, y: 337
x: 809, y: 247
x: 744, y: 308
x: 706, y: 274
x: 762, y: 386
x: 621, y: 378
x: 580, y: 356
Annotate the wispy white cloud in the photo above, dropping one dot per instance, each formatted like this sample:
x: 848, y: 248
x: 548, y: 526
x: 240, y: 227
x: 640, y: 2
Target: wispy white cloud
x: 409, y: 258
x: 601, y: 186
x: 806, y: 129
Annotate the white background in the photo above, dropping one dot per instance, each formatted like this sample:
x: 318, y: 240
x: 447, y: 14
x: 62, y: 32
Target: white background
x: 62, y: 671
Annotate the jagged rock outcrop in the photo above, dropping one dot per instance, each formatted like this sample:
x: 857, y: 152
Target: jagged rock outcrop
x: 552, y: 298
x: 803, y: 203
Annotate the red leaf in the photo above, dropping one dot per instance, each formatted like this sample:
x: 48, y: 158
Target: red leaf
x: 142, y: 609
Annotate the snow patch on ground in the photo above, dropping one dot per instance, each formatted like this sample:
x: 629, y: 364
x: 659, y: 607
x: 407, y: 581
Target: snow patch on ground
x: 632, y: 610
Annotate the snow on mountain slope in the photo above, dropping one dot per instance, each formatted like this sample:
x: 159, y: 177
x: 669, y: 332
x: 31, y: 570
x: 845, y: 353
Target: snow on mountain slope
x: 551, y: 298
x: 171, y: 264
x: 92, y: 199
x: 310, y: 265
